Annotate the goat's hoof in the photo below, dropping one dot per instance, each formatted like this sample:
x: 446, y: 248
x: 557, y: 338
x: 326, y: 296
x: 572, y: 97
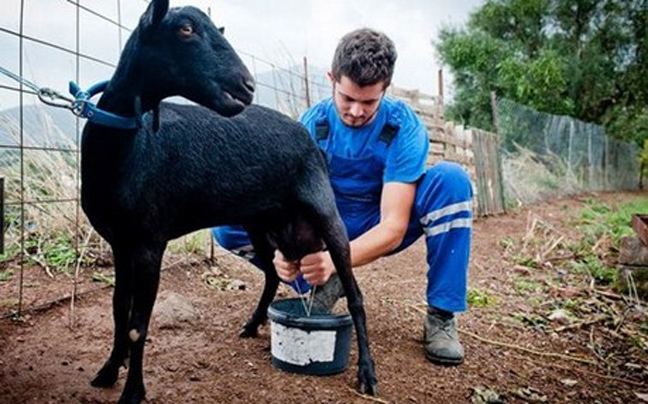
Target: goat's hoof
x: 370, y: 390
x: 367, y: 383
x: 132, y: 395
x: 249, y: 332
x: 131, y: 400
x: 106, y: 377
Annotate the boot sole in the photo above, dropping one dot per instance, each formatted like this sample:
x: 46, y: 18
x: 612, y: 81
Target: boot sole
x: 443, y: 361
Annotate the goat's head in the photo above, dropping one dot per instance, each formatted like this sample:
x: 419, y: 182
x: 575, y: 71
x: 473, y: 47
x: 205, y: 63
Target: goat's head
x: 179, y: 51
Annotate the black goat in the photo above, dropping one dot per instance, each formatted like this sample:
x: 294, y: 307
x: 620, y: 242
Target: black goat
x: 186, y: 168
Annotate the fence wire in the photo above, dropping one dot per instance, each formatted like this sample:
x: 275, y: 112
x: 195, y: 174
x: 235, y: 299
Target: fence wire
x: 46, y: 235
x: 551, y: 156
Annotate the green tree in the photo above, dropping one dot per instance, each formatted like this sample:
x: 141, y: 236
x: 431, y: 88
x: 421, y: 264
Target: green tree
x: 583, y: 58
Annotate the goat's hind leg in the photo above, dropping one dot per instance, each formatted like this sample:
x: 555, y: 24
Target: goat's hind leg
x: 336, y: 241
x: 122, y: 298
x: 265, y: 253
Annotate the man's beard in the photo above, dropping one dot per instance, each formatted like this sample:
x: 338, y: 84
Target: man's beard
x: 354, y: 122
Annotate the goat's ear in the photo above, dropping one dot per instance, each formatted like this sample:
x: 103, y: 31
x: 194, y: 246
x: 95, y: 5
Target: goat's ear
x: 222, y: 30
x: 155, y: 12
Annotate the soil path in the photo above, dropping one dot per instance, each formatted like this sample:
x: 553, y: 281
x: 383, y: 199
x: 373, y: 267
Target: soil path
x: 42, y: 360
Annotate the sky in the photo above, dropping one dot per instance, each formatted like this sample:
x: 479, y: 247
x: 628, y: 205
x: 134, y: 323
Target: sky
x: 282, y: 32
x: 292, y: 29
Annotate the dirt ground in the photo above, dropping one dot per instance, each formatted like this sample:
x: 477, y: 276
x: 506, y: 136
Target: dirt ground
x: 509, y: 357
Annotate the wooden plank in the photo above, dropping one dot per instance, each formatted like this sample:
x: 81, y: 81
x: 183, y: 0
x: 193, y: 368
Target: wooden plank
x: 640, y: 227
x: 486, y: 160
x: 477, y: 150
x: 437, y: 148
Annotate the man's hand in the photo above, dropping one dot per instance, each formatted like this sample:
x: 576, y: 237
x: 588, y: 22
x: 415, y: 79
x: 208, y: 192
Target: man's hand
x: 287, y: 270
x: 317, y: 267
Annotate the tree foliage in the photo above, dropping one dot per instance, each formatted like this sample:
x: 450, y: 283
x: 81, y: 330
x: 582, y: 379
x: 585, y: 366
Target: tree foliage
x: 583, y: 58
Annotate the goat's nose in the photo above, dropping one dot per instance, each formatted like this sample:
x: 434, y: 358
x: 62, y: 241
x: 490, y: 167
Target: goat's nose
x: 249, y: 84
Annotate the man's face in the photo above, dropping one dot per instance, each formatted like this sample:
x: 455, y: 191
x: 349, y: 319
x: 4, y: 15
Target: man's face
x: 356, y: 106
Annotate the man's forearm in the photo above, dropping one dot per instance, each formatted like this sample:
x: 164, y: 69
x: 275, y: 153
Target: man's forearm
x: 374, y: 244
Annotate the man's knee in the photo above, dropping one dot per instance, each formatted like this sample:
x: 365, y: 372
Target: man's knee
x: 219, y: 234
x: 448, y: 178
x: 235, y: 239
x: 230, y: 237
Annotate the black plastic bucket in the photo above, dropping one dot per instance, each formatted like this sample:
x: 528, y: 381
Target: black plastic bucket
x: 318, y: 344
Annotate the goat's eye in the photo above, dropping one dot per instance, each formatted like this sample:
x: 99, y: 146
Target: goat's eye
x: 186, y: 31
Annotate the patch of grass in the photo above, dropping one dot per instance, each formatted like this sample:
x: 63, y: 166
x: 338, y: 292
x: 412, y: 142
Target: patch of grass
x: 523, y: 285
x: 603, y: 226
x: 598, y: 220
x: 644, y: 327
x: 549, y: 183
x: 60, y: 254
x: 526, y: 261
x: 580, y: 248
x: 507, y: 243
x: 46, y: 231
x: 102, y: 278
x: 57, y: 253
x: 6, y: 275
x: 592, y: 266
x: 10, y: 253
x: 480, y: 298
x: 532, y: 320
x: 511, y: 248
x: 572, y: 304
x: 194, y: 243
x: 535, y: 301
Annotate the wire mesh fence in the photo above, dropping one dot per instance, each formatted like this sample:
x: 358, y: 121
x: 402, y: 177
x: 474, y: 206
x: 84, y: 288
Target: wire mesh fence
x: 547, y: 155
x: 47, y: 241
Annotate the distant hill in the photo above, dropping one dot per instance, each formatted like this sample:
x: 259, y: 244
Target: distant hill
x: 284, y: 89
x: 43, y: 126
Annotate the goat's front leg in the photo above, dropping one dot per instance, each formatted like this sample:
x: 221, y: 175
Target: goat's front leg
x: 145, y: 284
x: 265, y: 252
x: 122, y: 298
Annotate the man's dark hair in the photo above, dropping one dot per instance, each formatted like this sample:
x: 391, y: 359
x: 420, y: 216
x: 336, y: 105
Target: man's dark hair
x: 366, y: 57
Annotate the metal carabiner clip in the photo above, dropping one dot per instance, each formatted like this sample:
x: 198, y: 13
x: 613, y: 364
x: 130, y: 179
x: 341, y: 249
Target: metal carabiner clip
x: 55, y: 99
x: 79, y: 107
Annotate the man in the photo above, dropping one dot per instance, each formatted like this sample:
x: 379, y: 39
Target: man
x: 376, y: 149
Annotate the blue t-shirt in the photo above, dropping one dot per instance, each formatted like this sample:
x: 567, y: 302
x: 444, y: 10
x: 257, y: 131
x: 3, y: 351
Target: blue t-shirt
x: 404, y: 158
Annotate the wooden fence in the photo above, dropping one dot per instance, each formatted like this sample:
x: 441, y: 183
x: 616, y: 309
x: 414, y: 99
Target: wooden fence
x: 478, y: 151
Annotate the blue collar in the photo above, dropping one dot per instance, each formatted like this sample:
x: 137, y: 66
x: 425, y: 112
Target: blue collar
x: 83, y: 108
